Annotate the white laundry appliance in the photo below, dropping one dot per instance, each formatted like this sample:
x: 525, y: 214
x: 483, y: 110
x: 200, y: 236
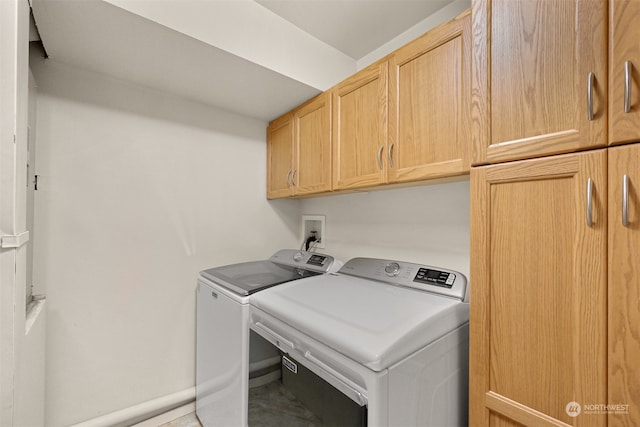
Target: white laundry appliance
x: 391, y: 336
x: 223, y: 359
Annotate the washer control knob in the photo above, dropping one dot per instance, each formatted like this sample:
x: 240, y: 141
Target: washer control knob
x: 392, y: 269
x: 298, y: 256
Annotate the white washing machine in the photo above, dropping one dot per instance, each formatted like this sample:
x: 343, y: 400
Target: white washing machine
x: 223, y: 361
x: 391, y: 336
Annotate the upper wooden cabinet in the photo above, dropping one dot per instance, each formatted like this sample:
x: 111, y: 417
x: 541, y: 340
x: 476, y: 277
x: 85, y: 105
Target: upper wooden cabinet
x: 299, y: 150
x: 429, y: 97
x: 624, y: 71
x: 312, y: 155
x: 404, y: 118
x: 539, y: 78
x: 425, y: 88
x: 280, y: 157
x: 360, y: 128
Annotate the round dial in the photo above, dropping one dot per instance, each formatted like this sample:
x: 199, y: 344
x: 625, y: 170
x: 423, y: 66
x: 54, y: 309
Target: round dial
x: 392, y: 269
x: 297, y: 257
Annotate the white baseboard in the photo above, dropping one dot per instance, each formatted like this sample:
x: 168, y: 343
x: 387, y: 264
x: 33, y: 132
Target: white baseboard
x: 169, y: 416
x: 144, y: 411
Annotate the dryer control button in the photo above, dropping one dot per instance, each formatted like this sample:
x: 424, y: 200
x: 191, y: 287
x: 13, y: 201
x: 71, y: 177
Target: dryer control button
x: 392, y: 269
x: 297, y: 257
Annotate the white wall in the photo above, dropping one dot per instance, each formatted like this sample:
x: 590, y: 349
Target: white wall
x: 139, y: 191
x: 29, y: 383
x: 445, y: 14
x: 428, y: 224
x: 21, y: 350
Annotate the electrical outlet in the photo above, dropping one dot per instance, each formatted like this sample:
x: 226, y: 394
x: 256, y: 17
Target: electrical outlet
x: 313, y: 225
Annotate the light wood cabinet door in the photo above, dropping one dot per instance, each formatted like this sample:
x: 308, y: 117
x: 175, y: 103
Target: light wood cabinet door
x: 429, y: 96
x: 360, y: 129
x: 624, y: 285
x: 624, y: 71
x: 539, y: 295
x: 530, y: 78
x: 280, y: 157
x: 312, y: 165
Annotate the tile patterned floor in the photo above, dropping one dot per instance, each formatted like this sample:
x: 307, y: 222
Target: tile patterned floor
x: 270, y: 405
x: 189, y: 420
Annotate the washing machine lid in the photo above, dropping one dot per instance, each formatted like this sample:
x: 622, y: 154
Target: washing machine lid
x: 285, y: 265
x: 374, y: 323
x: 249, y: 277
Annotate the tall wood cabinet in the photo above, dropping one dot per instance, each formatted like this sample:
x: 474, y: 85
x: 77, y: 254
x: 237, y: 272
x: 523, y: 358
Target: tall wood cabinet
x: 555, y: 239
x: 539, y: 290
x: 299, y: 150
x: 429, y: 96
x: 624, y: 284
x: 539, y: 78
x: 556, y: 290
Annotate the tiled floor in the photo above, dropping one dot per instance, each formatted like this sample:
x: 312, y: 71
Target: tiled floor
x: 270, y: 405
x: 189, y: 420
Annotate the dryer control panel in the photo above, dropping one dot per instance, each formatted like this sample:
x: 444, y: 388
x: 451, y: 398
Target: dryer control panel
x: 435, y: 277
x: 406, y: 274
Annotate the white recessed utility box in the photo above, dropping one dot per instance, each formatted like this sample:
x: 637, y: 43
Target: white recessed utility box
x: 313, y: 225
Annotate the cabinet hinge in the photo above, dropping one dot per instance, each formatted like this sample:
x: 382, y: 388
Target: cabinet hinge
x: 14, y: 241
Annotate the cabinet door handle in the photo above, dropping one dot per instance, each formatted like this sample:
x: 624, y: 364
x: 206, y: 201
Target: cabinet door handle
x: 293, y: 177
x: 390, y: 155
x: 590, y: 81
x: 289, y: 178
x: 625, y: 200
x: 380, y: 156
x: 627, y: 86
x: 589, y: 201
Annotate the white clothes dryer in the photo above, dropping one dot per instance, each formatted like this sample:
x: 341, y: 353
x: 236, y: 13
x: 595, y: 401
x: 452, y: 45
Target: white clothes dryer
x: 391, y: 336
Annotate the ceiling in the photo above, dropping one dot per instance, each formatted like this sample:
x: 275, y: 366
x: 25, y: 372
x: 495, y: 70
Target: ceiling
x: 256, y: 58
x: 357, y: 27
